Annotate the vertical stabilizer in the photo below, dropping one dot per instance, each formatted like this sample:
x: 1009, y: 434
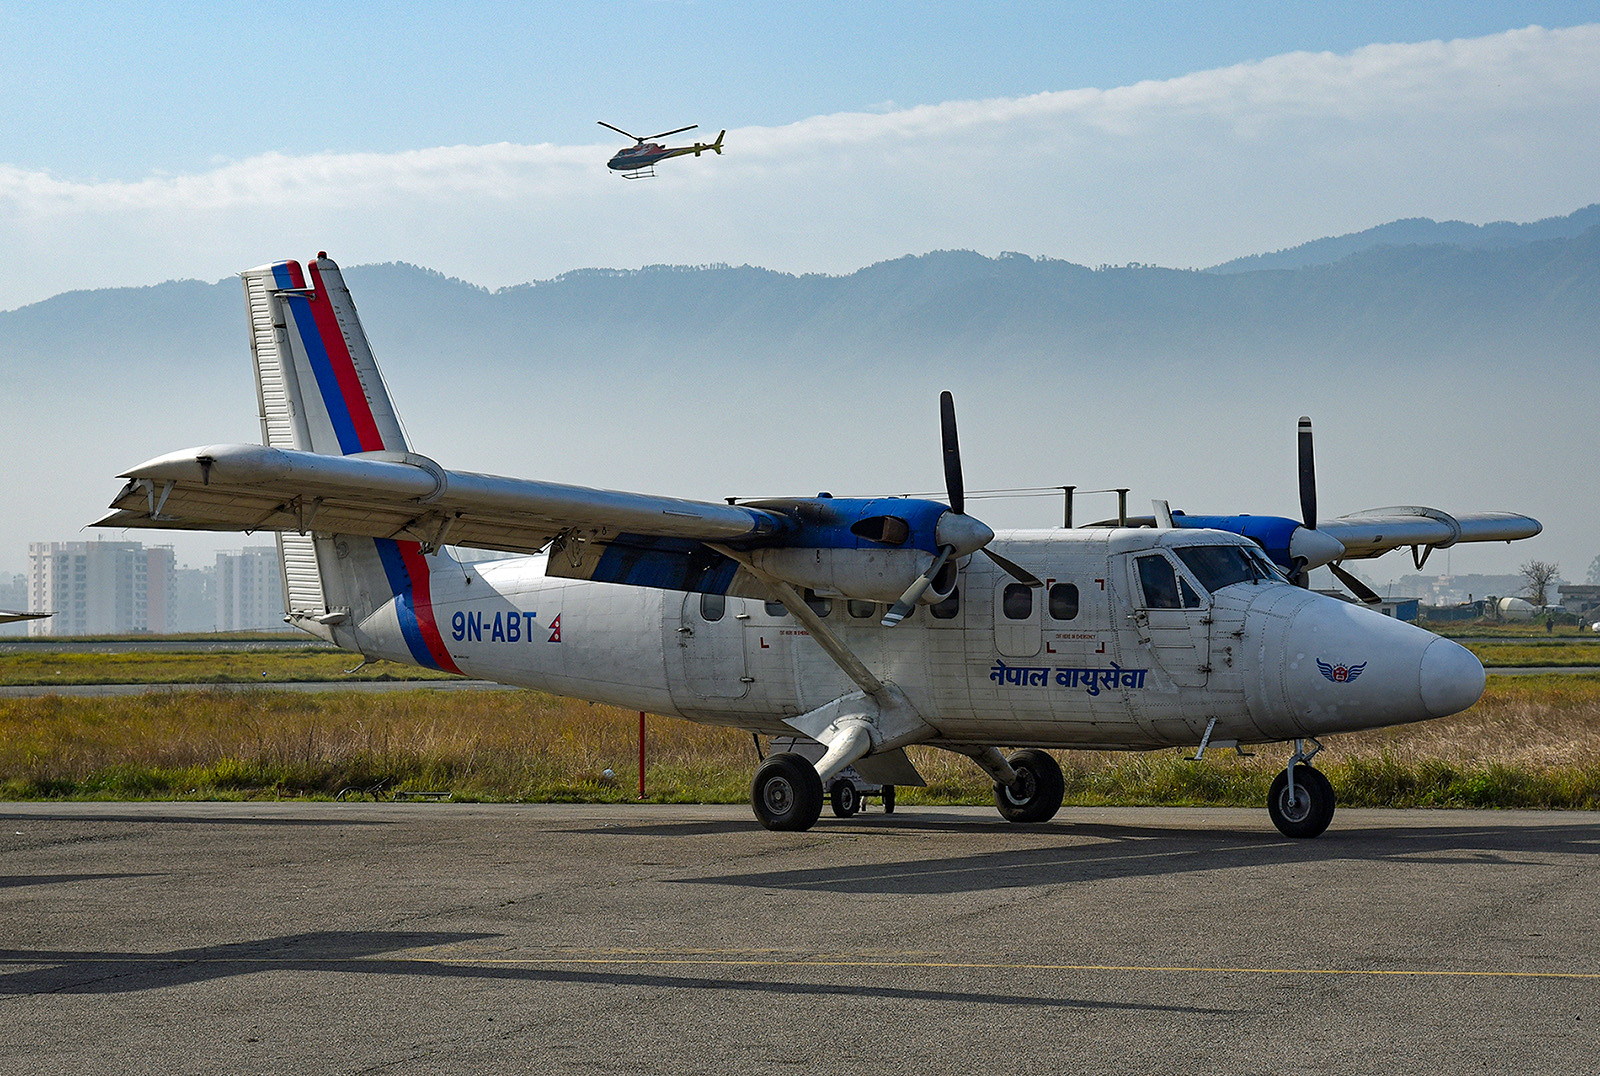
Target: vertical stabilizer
x: 316, y: 379
x: 319, y: 389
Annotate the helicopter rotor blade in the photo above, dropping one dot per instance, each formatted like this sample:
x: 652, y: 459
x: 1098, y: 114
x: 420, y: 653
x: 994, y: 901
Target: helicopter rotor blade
x: 664, y: 134
x: 619, y: 130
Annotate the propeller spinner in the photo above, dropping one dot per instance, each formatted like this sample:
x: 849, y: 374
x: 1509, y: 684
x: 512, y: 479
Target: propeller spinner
x: 957, y: 533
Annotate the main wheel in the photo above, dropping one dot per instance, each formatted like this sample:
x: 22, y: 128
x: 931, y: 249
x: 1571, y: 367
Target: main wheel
x: 786, y: 793
x: 888, y: 799
x: 1306, y: 813
x: 845, y: 800
x: 1041, y: 787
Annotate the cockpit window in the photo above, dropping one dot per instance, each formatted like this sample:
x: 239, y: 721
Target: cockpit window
x: 1163, y: 587
x: 1218, y: 566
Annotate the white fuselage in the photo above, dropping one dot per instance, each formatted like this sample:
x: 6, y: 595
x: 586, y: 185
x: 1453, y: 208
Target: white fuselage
x: 1264, y: 660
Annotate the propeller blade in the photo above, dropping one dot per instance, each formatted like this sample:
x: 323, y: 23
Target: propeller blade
x: 952, y: 454
x: 1308, y: 476
x: 620, y: 131
x: 1355, y: 586
x: 1015, y: 571
x: 919, y: 586
x: 664, y: 134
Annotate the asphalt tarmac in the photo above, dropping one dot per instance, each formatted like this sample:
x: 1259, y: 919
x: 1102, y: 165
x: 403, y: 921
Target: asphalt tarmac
x: 451, y: 938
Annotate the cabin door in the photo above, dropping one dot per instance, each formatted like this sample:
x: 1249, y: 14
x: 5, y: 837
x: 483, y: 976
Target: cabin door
x: 710, y: 642
x: 1172, y: 615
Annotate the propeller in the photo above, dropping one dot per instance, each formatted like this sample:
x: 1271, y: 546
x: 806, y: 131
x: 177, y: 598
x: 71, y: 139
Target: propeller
x: 956, y: 531
x: 1308, y: 475
x: 1308, y: 512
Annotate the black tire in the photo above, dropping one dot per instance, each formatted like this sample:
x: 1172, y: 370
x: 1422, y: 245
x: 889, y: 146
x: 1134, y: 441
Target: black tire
x: 1039, y: 798
x: 845, y: 800
x: 786, y: 793
x: 888, y: 799
x: 1309, y: 813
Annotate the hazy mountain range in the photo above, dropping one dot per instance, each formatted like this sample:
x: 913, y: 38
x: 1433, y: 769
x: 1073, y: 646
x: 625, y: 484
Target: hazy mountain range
x: 1428, y: 333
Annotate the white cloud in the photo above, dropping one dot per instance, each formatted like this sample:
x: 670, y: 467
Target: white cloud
x: 1187, y: 171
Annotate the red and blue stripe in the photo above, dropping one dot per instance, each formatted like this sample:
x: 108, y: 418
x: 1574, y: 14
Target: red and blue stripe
x: 334, y: 367
x: 350, y: 414
x: 410, y: 580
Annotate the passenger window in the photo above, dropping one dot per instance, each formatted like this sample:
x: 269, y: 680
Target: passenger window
x: 820, y: 606
x: 1163, y: 587
x: 1064, y: 601
x: 947, y: 609
x: 1017, y: 601
x: 712, y: 606
x: 775, y: 609
x: 860, y: 610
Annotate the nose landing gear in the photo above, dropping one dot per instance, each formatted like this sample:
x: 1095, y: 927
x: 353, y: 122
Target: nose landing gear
x: 1301, y: 800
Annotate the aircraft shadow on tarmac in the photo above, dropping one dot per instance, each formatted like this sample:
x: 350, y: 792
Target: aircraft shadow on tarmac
x: 15, y: 881
x: 359, y: 952
x: 1096, y: 852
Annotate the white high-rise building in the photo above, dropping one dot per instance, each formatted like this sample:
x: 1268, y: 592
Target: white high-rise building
x: 249, y: 589
x: 99, y: 588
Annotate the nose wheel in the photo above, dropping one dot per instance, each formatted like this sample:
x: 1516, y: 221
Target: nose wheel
x: 1301, y: 799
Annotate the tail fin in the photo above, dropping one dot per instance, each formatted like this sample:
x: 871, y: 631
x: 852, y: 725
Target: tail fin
x: 317, y: 382
x: 320, y: 391
x: 717, y: 145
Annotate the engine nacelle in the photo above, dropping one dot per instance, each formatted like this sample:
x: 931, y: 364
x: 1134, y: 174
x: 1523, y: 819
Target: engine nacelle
x: 879, y: 575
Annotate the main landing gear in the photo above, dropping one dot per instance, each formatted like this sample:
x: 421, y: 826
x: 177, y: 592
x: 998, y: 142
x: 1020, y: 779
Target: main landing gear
x: 1035, y: 796
x: 787, y: 792
x: 1301, y: 800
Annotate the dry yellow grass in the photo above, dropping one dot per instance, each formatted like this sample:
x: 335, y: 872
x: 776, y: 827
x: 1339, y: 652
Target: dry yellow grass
x: 527, y: 745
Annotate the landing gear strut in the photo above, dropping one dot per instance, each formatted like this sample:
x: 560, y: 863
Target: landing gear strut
x: 1301, y: 800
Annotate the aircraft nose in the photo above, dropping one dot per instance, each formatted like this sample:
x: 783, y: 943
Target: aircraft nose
x: 1451, y: 678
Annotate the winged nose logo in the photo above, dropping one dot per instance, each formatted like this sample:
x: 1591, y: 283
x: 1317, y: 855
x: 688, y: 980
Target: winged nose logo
x: 1340, y: 674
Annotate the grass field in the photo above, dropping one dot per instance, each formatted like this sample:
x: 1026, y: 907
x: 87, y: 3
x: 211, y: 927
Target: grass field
x: 299, y: 664
x: 1532, y: 741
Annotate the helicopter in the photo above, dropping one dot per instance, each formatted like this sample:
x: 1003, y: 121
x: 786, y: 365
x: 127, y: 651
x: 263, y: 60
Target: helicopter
x: 638, y: 161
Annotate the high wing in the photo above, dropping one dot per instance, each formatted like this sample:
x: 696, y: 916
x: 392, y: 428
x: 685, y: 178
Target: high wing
x: 1298, y: 545
x: 1378, y: 530
x: 334, y: 461
x: 401, y: 495
x: 7, y: 616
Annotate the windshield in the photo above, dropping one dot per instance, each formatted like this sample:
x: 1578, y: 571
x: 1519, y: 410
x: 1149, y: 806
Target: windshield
x: 1218, y: 566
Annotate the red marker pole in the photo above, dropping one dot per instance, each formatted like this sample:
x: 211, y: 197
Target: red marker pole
x: 641, y: 754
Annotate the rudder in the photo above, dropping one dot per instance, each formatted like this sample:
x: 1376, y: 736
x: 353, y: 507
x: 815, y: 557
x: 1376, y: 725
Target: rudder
x: 320, y: 390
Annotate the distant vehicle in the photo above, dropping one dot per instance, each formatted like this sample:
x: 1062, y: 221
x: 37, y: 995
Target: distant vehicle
x: 638, y: 161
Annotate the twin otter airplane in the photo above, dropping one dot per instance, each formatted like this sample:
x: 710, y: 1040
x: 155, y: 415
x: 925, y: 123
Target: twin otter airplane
x: 865, y: 625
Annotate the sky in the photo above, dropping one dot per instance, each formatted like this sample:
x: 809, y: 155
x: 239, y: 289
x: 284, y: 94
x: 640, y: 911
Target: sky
x: 154, y: 141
